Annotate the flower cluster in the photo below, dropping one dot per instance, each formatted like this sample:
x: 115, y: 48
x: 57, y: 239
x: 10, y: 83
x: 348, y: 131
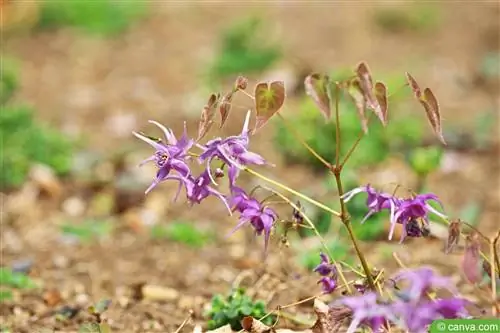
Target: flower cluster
x: 412, y: 308
x: 412, y: 213
x: 172, y: 159
x: 328, y: 271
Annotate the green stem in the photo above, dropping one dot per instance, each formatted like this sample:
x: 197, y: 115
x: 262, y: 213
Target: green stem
x: 288, y: 189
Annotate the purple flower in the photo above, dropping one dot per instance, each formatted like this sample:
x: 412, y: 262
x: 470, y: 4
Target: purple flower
x: 376, y: 201
x: 422, y: 280
x: 261, y: 218
x: 366, y: 310
x: 328, y: 284
x: 412, y: 209
x: 416, y: 317
x: 171, y: 155
x: 402, y: 211
x: 198, y: 189
x: 325, y: 267
x: 232, y: 150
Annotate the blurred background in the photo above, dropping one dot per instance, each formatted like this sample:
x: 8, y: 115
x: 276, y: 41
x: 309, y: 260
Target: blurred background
x: 79, y: 76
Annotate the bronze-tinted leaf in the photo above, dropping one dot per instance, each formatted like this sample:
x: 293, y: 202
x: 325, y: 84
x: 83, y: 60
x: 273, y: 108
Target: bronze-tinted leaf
x: 366, y: 84
x: 316, y: 86
x: 433, y: 113
x: 240, y: 83
x: 381, y: 96
x: 269, y: 98
x: 414, y: 85
x: 453, y: 236
x: 207, y: 116
x: 430, y: 104
x: 471, y: 264
x: 354, y: 90
x: 225, y: 107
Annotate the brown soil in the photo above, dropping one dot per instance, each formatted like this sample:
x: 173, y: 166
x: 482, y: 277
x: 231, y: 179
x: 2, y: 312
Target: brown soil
x: 153, y: 71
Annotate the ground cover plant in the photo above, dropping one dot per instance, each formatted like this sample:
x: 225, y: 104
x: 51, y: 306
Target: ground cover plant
x: 411, y: 299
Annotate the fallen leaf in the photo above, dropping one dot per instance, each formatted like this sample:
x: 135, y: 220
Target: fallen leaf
x: 330, y: 319
x: 269, y: 98
x: 316, y: 86
x: 207, y: 116
x: 52, y: 297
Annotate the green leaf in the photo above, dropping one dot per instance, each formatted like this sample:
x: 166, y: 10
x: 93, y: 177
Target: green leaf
x: 269, y: 98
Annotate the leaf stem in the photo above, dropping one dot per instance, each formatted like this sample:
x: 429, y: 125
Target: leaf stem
x: 290, y: 190
x: 302, y: 141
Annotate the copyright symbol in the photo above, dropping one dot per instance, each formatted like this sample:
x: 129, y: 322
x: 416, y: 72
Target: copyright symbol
x: 441, y: 326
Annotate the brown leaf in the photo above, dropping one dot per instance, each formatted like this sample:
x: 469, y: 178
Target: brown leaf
x: 207, y: 116
x: 471, y: 259
x: 381, y: 96
x: 433, y: 113
x: 453, y: 236
x: 430, y: 104
x: 354, y: 90
x: 316, y: 86
x: 269, y: 98
x: 225, y: 107
x: 372, y: 95
x: 330, y: 319
x: 414, y: 85
x: 241, y: 83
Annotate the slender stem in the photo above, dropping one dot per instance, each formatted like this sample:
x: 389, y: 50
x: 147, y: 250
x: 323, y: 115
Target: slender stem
x: 337, y: 124
x: 495, y: 252
x: 347, y: 223
x: 421, y: 181
x: 303, y: 142
x: 311, y: 224
x: 494, y: 308
x: 288, y: 189
x: 356, y: 143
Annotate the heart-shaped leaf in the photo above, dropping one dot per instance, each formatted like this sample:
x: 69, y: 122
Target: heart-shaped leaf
x: 207, y: 116
x: 354, y: 90
x: 430, y: 104
x: 225, y: 107
x: 381, y: 96
x: 269, y: 98
x: 316, y: 86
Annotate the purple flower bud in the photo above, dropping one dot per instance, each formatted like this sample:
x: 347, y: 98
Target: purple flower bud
x: 325, y: 267
x: 328, y: 284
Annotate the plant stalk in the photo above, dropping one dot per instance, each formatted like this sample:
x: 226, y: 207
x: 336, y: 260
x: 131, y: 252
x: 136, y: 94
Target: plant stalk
x: 344, y: 216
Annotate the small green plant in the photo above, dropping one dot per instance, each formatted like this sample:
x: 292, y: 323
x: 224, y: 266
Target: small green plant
x: 88, y: 230
x: 100, y: 17
x: 26, y: 141
x: 181, y: 232
x: 243, y: 49
x: 13, y: 280
x: 421, y: 17
x: 233, y: 308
